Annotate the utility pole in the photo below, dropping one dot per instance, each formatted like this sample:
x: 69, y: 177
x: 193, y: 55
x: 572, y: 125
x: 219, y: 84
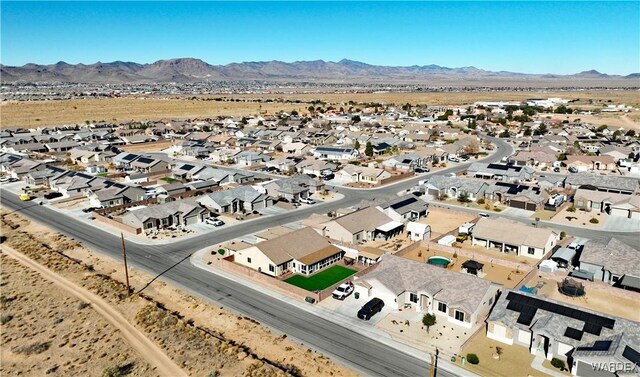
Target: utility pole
x: 126, y: 269
x: 431, y: 365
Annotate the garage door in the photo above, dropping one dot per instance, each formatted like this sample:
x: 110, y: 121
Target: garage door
x: 531, y: 207
x: 432, y: 192
x: 516, y: 204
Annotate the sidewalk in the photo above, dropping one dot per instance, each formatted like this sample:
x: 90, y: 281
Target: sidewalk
x: 537, y: 365
x: 340, y: 319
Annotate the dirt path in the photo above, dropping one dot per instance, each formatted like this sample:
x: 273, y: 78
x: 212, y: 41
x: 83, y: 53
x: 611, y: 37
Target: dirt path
x: 136, y: 339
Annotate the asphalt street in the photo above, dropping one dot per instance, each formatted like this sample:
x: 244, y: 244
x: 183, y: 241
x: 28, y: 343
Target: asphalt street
x: 170, y: 263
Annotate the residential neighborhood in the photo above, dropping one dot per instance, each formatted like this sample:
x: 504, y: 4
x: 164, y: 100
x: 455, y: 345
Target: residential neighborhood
x: 471, y: 231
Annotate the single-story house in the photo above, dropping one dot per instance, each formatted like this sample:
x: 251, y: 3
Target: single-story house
x: 238, y: 199
x: 406, y: 207
x: 176, y: 213
x: 302, y: 251
x: 365, y: 174
x: 614, y: 262
x: 334, y: 153
x: 520, y: 239
x: 461, y: 299
x: 362, y: 225
x: 500, y: 172
x: 452, y: 187
x: 551, y: 328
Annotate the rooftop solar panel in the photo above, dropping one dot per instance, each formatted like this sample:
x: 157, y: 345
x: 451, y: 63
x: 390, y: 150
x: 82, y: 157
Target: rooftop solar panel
x: 145, y: 160
x: 601, y: 345
x: 573, y: 333
x: 129, y: 157
x: 592, y: 328
x: 404, y: 203
x: 631, y: 355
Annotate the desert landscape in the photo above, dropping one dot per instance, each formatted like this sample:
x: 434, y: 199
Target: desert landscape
x: 40, y: 113
x: 66, y: 335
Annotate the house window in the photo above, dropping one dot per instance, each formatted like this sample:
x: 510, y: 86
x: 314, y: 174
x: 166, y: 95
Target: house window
x: 531, y: 251
x: 413, y: 297
x: 358, y: 237
x: 248, y: 259
x: 615, y: 279
x: 442, y: 307
x: 272, y: 268
x: 459, y: 316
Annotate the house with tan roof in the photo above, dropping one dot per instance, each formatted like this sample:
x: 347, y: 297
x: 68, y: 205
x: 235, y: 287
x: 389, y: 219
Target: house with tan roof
x: 459, y: 298
x: 611, y: 203
x: 514, y: 237
x: 302, y: 251
x: 363, y: 225
x: 365, y: 174
x: 589, y: 163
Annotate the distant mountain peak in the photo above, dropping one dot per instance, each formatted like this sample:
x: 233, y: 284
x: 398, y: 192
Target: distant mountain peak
x: 187, y: 69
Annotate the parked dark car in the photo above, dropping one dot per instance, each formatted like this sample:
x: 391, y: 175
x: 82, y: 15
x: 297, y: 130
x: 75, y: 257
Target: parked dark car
x: 421, y: 170
x: 329, y: 176
x: 52, y: 195
x: 90, y: 209
x: 369, y: 309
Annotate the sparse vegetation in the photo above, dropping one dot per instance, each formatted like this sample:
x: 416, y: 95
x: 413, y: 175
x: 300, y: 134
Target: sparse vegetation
x: 594, y: 220
x: 480, y: 201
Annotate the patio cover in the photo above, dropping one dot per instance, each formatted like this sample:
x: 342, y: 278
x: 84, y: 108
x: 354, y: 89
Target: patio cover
x: 385, y: 228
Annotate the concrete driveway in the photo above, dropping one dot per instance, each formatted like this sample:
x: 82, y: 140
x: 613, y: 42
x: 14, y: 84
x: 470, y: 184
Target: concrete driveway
x: 349, y: 308
x: 619, y: 223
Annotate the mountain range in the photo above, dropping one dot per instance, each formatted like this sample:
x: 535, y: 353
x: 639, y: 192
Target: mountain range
x: 185, y: 70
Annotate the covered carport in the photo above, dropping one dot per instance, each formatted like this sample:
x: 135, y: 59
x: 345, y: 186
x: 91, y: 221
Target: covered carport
x: 388, y: 230
x: 564, y: 257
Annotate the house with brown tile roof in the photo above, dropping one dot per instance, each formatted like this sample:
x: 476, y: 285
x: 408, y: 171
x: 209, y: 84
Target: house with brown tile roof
x: 302, y: 251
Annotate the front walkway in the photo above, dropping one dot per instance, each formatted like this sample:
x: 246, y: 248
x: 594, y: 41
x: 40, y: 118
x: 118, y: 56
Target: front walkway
x: 537, y: 365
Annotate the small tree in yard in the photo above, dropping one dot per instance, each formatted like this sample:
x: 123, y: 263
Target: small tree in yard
x: 594, y: 220
x: 472, y: 358
x: 463, y: 197
x: 368, y: 150
x: 480, y: 201
x: 563, y: 235
x: 429, y: 320
x: 356, y: 145
x: 499, y: 351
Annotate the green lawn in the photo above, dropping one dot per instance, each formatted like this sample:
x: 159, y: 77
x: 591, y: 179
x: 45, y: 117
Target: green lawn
x: 322, y: 279
x: 169, y: 179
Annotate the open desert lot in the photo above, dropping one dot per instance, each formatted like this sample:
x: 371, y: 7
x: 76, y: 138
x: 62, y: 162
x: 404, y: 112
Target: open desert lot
x: 44, y: 328
x: 39, y: 113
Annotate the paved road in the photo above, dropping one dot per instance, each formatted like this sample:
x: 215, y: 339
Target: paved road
x: 170, y: 262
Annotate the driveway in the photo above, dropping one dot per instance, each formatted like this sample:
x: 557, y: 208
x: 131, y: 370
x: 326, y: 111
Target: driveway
x: 619, y: 223
x: 517, y: 212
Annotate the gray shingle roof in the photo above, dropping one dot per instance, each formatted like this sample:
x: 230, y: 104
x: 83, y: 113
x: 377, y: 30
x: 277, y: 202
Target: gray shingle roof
x: 615, y: 256
x: 454, y: 288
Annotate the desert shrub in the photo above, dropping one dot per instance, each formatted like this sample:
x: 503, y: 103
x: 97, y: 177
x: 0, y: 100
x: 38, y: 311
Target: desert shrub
x: 486, y: 206
x: 82, y: 305
x: 496, y: 209
x: 33, y: 348
x: 558, y: 363
x: 472, y: 358
x: 221, y: 251
x: 117, y: 370
x: 480, y: 201
x: 5, y: 318
x: 213, y: 373
x: 594, y: 220
x: 571, y: 209
x: 563, y: 234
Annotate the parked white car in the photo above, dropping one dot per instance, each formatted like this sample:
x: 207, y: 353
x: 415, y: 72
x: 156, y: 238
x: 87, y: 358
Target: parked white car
x: 343, y: 290
x: 214, y: 221
x: 307, y: 201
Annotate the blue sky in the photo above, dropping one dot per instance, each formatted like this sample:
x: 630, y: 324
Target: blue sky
x: 530, y: 37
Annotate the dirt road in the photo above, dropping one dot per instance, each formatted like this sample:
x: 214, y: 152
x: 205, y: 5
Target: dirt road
x: 136, y: 339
